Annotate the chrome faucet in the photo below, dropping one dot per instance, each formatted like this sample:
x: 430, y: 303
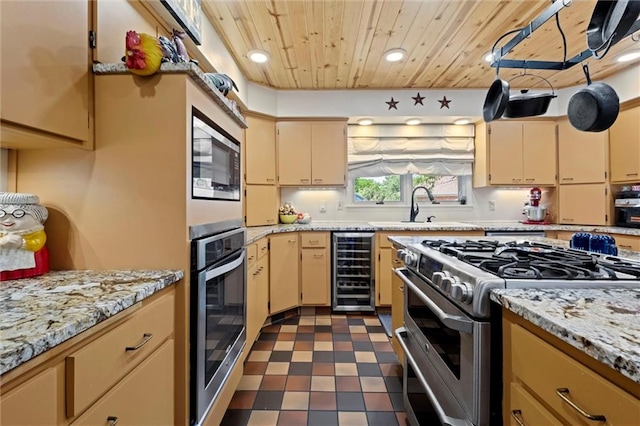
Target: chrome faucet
x: 414, y: 211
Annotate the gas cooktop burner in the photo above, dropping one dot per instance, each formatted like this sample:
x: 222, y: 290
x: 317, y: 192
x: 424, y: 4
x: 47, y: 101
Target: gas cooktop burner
x: 531, y: 260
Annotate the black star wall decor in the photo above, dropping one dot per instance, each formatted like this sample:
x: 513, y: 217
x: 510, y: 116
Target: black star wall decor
x: 444, y: 102
x: 392, y: 103
x: 417, y: 99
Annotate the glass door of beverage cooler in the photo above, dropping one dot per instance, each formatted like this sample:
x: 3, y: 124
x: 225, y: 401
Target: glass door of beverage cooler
x: 353, y: 271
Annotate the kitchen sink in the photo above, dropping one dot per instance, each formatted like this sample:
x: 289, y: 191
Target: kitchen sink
x: 422, y: 225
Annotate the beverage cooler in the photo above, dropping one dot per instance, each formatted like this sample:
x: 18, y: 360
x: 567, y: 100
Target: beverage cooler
x: 353, y: 271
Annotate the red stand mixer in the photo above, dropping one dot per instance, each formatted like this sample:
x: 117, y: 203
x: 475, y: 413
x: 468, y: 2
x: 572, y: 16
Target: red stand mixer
x: 535, y: 213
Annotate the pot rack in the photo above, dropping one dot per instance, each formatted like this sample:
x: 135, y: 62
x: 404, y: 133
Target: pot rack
x: 556, y: 6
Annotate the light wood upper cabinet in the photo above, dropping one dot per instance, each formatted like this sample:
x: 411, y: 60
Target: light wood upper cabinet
x: 45, y: 73
x: 581, y: 155
x: 311, y: 153
x: 624, y: 146
x: 261, y: 205
x: 522, y: 153
x: 284, y: 289
x: 260, y: 151
x: 584, y: 204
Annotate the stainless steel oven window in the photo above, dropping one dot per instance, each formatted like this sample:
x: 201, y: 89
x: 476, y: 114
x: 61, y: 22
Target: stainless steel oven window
x: 221, y: 333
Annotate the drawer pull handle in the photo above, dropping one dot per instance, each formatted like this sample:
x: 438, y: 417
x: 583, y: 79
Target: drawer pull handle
x: 318, y: 256
x: 595, y: 417
x: 146, y: 338
x: 401, y: 288
x: 517, y: 416
x: 113, y: 420
x: 397, y: 262
x: 314, y: 241
x: 632, y: 174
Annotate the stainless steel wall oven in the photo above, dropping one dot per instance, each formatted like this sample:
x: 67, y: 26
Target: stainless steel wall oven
x: 218, y: 306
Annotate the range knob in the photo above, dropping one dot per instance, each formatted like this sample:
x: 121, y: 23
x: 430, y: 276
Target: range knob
x: 437, y: 277
x: 448, y: 282
x: 401, y: 254
x: 462, y: 292
x: 410, y: 259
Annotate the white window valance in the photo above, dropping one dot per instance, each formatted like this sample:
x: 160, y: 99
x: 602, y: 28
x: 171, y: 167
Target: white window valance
x: 426, y: 149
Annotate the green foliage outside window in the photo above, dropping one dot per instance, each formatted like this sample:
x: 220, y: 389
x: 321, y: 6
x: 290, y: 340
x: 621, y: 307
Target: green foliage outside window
x: 378, y: 189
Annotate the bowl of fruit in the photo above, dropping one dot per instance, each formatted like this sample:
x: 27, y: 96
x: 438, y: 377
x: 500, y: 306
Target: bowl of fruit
x: 288, y: 214
x: 304, y: 218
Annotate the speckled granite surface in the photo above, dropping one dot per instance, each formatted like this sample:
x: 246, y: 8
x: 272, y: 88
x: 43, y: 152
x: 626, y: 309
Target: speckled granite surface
x: 257, y: 232
x: 41, y: 312
x: 195, y: 72
x: 605, y: 324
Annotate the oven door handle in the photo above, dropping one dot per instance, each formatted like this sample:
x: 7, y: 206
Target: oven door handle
x: 454, y: 322
x: 442, y: 416
x: 226, y: 267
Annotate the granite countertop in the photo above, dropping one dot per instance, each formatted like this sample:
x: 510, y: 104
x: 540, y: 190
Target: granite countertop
x: 257, y: 232
x: 41, y: 312
x: 604, y: 324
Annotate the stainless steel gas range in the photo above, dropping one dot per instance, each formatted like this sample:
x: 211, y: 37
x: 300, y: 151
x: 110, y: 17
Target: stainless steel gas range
x: 451, y: 335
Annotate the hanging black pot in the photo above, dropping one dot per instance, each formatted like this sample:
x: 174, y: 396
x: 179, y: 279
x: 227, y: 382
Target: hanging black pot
x: 609, y: 24
x: 496, y: 100
x: 593, y: 108
x: 528, y: 104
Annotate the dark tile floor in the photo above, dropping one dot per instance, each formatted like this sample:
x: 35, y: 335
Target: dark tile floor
x: 333, y: 369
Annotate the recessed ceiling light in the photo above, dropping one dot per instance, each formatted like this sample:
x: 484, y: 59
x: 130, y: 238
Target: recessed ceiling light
x: 488, y: 57
x: 628, y: 56
x: 461, y: 121
x: 394, y: 55
x: 365, y: 122
x: 412, y: 121
x: 259, y: 56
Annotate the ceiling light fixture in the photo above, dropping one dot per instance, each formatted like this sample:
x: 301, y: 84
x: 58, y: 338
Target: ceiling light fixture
x: 461, y: 121
x: 365, y: 122
x: 412, y: 121
x: 628, y: 56
x: 258, y: 56
x: 488, y: 57
x: 394, y: 55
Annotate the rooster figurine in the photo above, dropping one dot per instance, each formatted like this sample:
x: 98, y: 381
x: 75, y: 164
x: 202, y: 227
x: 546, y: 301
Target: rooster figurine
x: 143, y: 54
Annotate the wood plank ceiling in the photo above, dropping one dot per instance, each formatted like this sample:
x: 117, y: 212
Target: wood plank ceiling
x: 339, y: 44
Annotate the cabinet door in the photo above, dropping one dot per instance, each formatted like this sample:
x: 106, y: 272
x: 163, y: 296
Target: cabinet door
x: 253, y: 282
x: 505, y: 153
x: 260, y: 151
x: 18, y: 407
x: 624, y: 146
x: 328, y: 153
x: 284, y: 291
x: 385, y: 274
x: 397, y: 304
x: 294, y: 153
x: 143, y: 397
x: 539, y: 153
x: 581, y: 155
x: 315, y: 277
x: 45, y: 75
x: 263, y: 292
x: 583, y: 204
x: 261, y: 205
x: 525, y: 408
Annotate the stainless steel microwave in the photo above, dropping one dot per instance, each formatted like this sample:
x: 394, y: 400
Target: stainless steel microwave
x: 215, y: 164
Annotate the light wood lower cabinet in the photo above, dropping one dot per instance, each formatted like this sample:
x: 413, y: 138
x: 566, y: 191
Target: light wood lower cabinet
x: 144, y: 397
x: 547, y: 386
x: 284, y: 267
x: 397, y: 303
x: 123, y: 372
x: 17, y: 407
x: 257, y: 298
x: 315, y: 268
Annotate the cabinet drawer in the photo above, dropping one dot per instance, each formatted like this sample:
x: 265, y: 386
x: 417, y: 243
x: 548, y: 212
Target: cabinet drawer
x: 92, y: 370
x: 313, y: 239
x: 252, y: 255
x: 18, y: 406
x: 144, y: 397
x: 263, y: 247
x: 545, y: 370
x: 529, y: 411
x: 627, y: 242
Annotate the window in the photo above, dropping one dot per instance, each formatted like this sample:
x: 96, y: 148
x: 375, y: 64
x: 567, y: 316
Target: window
x: 397, y: 189
x: 386, y: 162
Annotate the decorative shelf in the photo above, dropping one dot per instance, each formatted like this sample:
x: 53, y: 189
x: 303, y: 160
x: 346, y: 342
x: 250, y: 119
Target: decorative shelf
x: 196, y: 74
